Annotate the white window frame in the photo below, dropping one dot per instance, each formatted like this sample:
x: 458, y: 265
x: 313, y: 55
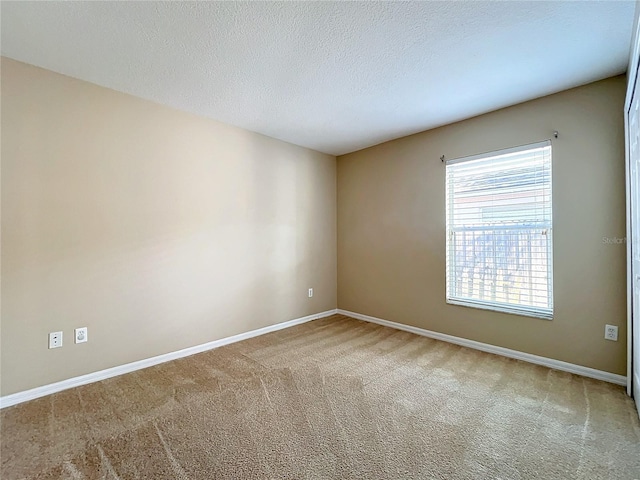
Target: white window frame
x: 524, y: 310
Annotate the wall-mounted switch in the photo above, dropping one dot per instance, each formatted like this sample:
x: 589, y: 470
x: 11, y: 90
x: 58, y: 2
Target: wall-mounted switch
x: 310, y: 292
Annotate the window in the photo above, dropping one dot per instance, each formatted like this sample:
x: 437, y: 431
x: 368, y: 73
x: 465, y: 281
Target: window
x: 499, y: 231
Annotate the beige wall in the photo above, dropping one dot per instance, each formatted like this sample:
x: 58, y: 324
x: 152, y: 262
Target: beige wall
x: 156, y: 229
x: 391, y: 227
x: 160, y: 230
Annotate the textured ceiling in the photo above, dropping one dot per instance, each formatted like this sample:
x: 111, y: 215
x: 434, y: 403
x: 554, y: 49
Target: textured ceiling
x: 332, y: 76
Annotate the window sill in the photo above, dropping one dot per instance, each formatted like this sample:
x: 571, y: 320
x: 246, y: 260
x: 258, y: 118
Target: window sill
x: 501, y: 308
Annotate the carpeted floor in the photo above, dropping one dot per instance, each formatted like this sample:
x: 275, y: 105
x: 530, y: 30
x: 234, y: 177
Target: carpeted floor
x: 334, y: 398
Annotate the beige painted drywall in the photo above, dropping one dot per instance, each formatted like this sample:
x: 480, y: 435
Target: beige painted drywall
x: 391, y: 227
x: 156, y: 229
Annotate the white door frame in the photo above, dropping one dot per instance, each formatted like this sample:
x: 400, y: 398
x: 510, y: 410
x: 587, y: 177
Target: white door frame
x: 632, y: 78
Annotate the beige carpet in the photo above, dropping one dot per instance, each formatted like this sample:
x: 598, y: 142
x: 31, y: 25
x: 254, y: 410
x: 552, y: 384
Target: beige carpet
x: 334, y: 398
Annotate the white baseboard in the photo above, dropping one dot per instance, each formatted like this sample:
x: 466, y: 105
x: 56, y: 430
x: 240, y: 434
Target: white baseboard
x: 505, y: 352
x: 38, y: 392
x: 15, y: 398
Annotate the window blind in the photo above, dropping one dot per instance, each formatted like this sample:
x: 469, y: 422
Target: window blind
x: 499, y: 231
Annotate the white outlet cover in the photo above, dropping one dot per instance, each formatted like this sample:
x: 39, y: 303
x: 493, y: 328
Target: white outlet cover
x: 55, y: 339
x: 611, y: 332
x: 82, y: 334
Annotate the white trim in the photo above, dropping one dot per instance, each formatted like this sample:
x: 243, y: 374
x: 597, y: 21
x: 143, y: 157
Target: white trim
x: 627, y: 175
x: 632, y: 78
x: 636, y: 392
x: 499, y: 153
x: 15, y: 398
x: 502, y: 307
x: 634, y: 57
x: 505, y: 352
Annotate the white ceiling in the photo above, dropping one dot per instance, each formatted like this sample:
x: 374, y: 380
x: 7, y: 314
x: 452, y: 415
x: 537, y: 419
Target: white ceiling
x: 332, y: 76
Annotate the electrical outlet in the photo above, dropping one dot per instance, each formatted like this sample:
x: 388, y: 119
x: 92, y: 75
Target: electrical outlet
x: 55, y: 339
x: 310, y: 292
x: 82, y: 335
x: 611, y: 332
